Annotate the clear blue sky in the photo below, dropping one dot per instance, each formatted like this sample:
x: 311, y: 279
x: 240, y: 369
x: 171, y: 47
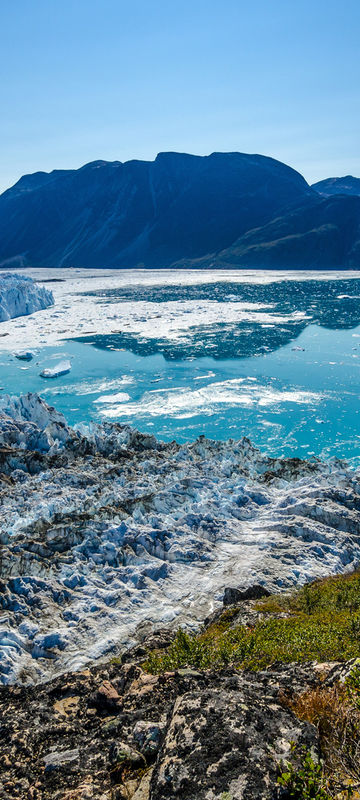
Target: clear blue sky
x: 88, y: 79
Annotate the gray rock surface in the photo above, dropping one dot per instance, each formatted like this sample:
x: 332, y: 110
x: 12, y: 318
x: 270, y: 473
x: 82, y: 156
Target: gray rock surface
x: 189, y: 734
x: 233, y: 595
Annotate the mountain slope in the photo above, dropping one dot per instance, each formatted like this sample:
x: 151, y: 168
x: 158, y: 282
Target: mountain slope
x: 331, y: 186
x: 324, y: 233
x: 143, y: 213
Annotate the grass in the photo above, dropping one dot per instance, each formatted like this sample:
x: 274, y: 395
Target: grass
x: 319, y: 622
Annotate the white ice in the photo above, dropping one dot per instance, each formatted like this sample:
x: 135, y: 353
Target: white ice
x: 61, y: 368
x: 77, y: 314
x: 107, y: 533
x: 21, y: 296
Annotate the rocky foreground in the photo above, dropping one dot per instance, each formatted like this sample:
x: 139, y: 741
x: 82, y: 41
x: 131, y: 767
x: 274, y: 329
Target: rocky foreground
x: 116, y: 732
x: 107, y: 533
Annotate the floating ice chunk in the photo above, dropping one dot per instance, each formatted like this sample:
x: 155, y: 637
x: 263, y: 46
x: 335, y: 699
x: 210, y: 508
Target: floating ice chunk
x: 120, y: 397
x: 24, y: 355
x: 62, y: 368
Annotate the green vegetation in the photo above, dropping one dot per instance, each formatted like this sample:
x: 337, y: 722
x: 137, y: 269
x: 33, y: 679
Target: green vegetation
x: 335, y: 711
x: 303, y: 780
x: 319, y: 622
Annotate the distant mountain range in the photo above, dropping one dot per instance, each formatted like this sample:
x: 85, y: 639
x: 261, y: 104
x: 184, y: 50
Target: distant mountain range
x: 330, y: 186
x: 226, y: 209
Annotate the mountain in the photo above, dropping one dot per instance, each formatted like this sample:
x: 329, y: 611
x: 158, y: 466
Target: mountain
x: 184, y: 210
x: 143, y: 213
x: 331, y: 186
x: 324, y: 233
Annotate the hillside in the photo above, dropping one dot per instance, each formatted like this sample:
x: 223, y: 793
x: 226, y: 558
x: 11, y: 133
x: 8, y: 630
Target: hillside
x: 330, y: 186
x: 321, y: 234
x: 264, y: 702
x: 143, y: 213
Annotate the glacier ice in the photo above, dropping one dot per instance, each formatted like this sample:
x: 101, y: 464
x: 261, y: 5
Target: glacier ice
x: 24, y: 355
x: 20, y: 296
x: 107, y: 533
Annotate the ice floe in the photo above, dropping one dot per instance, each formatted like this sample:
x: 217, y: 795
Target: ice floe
x: 61, y: 368
x: 184, y: 402
x: 24, y: 355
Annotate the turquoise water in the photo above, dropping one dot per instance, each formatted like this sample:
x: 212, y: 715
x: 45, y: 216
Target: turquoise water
x: 291, y: 387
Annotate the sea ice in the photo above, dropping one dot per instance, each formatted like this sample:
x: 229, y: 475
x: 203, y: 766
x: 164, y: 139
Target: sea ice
x: 80, y: 312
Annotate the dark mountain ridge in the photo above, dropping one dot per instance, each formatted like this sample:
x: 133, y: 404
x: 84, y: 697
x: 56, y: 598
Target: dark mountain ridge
x: 323, y: 234
x: 148, y: 213
x: 330, y: 186
x: 180, y: 209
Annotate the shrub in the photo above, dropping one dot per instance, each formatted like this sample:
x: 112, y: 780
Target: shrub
x: 304, y: 779
x: 335, y: 711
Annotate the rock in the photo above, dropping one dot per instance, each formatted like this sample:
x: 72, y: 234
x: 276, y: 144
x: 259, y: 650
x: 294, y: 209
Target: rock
x: 136, y: 682
x: 67, y: 706
x: 204, y: 733
x: 226, y: 742
x: 143, y: 790
x: 124, y: 761
x: 106, y: 696
x: 60, y: 758
x: 254, y: 592
x: 148, y: 736
x: 123, y: 753
x: 156, y: 640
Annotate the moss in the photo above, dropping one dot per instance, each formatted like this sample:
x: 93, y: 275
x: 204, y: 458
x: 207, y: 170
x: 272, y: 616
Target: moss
x: 341, y: 592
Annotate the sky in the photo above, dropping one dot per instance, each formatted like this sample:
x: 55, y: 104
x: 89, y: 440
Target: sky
x: 82, y: 80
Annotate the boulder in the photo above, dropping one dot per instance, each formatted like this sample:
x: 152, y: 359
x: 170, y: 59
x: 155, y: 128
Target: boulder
x: 227, y: 741
x: 232, y: 595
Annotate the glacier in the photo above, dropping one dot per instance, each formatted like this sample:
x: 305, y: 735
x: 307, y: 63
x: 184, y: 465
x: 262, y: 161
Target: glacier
x: 20, y: 296
x: 107, y: 533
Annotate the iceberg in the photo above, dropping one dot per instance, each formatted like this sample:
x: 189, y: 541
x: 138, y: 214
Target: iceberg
x: 24, y: 355
x: 20, y: 296
x: 61, y: 368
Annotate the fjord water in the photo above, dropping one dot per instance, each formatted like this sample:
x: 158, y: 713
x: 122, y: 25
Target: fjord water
x: 287, y: 376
